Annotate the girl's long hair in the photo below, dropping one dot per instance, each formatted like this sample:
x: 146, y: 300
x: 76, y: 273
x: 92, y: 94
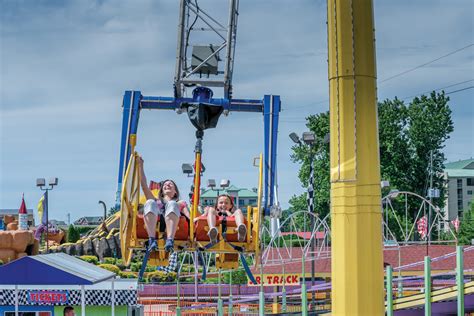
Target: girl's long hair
x: 161, y: 195
x: 230, y: 198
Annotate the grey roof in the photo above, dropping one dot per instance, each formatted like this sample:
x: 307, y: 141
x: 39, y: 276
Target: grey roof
x: 75, y: 266
x: 460, y: 169
x: 461, y: 164
x: 12, y: 211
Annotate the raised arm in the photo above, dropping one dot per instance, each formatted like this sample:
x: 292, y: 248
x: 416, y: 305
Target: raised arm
x: 146, y: 190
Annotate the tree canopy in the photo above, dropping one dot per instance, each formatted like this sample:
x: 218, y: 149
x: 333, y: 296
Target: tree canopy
x: 410, y: 135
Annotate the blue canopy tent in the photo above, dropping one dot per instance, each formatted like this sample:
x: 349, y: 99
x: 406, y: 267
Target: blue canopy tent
x: 53, y: 269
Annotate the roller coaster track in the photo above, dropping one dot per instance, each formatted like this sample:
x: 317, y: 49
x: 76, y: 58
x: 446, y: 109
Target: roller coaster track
x: 441, y: 295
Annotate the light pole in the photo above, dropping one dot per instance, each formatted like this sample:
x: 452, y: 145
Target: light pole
x: 41, y: 183
x: 211, y: 184
x: 310, y: 139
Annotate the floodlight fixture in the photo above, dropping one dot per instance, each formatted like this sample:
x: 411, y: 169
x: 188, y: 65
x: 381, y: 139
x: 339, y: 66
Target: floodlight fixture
x: 384, y: 184
x: 225, y: 183
x: 187, y: 168
x: 295, y: 138
x: 309, y: 138
x: 53, y: 181
x: 40, y: 182
x: 211, y: 183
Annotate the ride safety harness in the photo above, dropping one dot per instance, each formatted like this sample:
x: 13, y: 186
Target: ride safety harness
x: 237, y: 248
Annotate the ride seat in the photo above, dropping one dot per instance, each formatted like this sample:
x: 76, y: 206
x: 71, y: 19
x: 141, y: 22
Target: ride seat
x: 201, y: 228
x: 182, y: 232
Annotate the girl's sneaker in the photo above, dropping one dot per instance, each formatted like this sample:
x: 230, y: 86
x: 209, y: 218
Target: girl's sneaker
x: 213, y: 235
x: 169, y: 245
x: 152, y: 245
x: 241, y: 232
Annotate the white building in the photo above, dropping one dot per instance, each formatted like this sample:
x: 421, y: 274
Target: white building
x: 460, y: 182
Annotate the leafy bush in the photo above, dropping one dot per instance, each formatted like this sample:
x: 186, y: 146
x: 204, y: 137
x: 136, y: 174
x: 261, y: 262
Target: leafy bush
x: 119, y: 263
x: 90, y: 259
x: 238, y: 277
x: 136, y: 266
x: 72, y: 234
x: 161, y: 276
x: 110, y: 267
x: 128, y: 274
x: 211, y: 281
x: 109, y: 260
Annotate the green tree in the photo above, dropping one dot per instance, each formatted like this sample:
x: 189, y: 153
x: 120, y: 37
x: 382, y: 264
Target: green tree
x: 408, y: 136
x: 428, y: 127
x: 72, y: 234
x: 466, y: 227
x: 114, y: 209
x: 319, y: 154
x: 238, y: 277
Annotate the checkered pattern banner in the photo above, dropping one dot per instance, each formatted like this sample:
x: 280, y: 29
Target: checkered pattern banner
x: 93, y: 297
x: 172, y: 264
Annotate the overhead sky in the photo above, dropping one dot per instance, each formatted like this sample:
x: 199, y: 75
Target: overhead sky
x: 64, y: 66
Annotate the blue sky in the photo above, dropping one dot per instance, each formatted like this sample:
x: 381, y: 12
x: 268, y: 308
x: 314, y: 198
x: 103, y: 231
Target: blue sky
x: 64, y: 66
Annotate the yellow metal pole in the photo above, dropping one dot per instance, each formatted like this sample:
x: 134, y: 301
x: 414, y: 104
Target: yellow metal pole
x: 357, y: 264
x: 197, y: 185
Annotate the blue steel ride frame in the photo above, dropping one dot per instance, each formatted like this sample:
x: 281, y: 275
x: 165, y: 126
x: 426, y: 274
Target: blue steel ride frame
x: 270, y: 106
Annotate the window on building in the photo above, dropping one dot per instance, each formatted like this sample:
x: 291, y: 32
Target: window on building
x: 459, y: 181
x: 253, y: 202
x: 470, y: 182
x: 469, y: 192
x: 460, y: 206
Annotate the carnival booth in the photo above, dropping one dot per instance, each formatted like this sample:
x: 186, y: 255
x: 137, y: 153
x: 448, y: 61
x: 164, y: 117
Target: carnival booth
x: 43, y: 285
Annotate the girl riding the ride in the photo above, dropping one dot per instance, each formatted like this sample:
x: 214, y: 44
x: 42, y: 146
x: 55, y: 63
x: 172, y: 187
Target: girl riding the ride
x: 167, y: 204
x: 225, y: 207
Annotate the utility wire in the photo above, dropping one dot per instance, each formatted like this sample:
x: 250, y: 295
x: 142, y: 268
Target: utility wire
x: 430, y: 62
x: 470, y: 87
x: 402, y: 73
x: 429, y: 91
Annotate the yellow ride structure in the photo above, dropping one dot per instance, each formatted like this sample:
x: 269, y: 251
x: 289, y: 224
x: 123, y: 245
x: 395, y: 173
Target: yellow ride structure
x: 188, y: 238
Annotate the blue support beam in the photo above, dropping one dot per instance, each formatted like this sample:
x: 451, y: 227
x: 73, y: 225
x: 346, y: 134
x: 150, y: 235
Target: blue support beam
x: 131, y: 114
x: 133, y: 102
x: 235, y: 105
x: 271, y: 113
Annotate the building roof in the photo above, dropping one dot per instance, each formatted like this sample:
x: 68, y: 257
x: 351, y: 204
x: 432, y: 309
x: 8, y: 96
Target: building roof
x: 462, y: 168
x: 52, y: 269
x: 57, y: 222
x: 13, y: 211
x: 408, y: 255
x: 90, y: 219
x: 461, y: 164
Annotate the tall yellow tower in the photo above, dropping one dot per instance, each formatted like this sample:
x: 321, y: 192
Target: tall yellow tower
x: 357, y: 263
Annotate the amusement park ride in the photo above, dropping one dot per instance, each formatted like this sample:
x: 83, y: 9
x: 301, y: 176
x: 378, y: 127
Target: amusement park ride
x: 356, y: 238
x: 203, y: 111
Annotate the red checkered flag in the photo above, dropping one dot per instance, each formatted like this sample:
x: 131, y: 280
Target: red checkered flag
x: 456, y: 223
x: 422, y: 227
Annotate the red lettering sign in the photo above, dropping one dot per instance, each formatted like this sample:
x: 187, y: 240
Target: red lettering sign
x: 277, y: 279
x: 50, y: 297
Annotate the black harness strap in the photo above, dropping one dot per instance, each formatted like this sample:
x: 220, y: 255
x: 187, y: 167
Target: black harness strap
x: 239, y: 249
